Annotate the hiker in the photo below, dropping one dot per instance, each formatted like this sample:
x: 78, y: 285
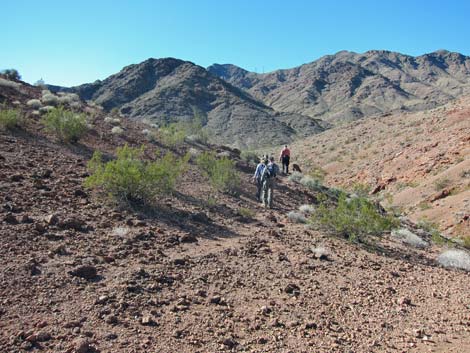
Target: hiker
x: 263, y: 161
x: 269, y: 174
x: 284, y: 158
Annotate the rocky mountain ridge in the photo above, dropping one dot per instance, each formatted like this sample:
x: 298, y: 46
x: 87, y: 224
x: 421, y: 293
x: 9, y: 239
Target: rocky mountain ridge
x: 167, y: 90
x: 349, y: 86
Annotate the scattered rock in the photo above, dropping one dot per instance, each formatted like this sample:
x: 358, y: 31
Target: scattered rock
x: 200, y: 217
x: 188, y: 238
x: 85, y: 346
x: 10, y: 219
x: 52, y: 219
x: 292, y: 289
x: 85, y: 271
x: 147, y: 320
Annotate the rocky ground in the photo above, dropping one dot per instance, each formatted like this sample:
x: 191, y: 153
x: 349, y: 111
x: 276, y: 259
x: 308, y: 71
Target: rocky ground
x: 418, y: 163
x: 195, y: 275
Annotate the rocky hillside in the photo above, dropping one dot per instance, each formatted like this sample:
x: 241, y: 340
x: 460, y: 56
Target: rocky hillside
x: 166, y: 90
x: 349, y: 86
x: 417, y: 162
x: 204, y: 271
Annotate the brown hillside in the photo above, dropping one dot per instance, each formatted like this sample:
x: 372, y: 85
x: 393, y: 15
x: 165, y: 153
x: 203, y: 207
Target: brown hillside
x: 421, y: 160
x: 80, y: 275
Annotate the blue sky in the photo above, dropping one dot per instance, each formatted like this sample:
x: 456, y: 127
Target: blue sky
x: 69, y: 43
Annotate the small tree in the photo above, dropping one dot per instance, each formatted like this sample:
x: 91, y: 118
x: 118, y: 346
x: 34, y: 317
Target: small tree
x: 11, y: 74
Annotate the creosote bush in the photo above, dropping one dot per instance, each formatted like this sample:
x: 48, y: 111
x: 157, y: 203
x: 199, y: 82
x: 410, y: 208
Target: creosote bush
x: 9, y: 119
x: 66, y: 125
x: 132, y: 180
x: 222, y: 172
x: 353, y: 218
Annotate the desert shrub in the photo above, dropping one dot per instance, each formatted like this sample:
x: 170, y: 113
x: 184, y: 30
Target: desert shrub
x: 295, y: 177
x: 222, y: 172
x: 117, y: 130
x: 66, y: 125
x: 296, y: 217
x: 409, y: 237
x: 9, y: 118
x: 353, y: 217
x: 46, y: 109
x: 249, y: 157
x: 34, y: 103
x: 317, y: 173
x: 466, y: 242
x: 311, y: 183
x: 246, y: 212
x: 361, y: 189
x: 68, y: 98
x: 307, y: 209
x: 49, y: 98
x: 455, y: 258
x: 172, y: 134
x: 132, y: 180
x: 9, y: 84
x: 441, y: 184
x: 11, y: 74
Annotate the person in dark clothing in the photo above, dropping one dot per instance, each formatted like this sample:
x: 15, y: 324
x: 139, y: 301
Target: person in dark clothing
x: 285, y: 159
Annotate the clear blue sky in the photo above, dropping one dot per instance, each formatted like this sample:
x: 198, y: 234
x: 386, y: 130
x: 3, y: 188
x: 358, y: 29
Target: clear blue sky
x: 73, y: 42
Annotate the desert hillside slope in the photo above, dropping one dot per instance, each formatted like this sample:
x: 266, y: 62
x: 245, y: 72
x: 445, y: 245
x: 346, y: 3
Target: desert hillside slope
x: 417, y: 162
x: 160, y: 91
x: 203, y: 271
x: 348, y: 86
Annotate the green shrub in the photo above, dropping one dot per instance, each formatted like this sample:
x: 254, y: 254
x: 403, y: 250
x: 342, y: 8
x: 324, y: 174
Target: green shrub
x: 172, y: 135
x: 9, y: 119
x: 441, y: 184
x: 221, y: 172
x: 353, y: 218
x: 317, y: 173
x: 250, y: 157
x: 246, y: 212
x: 132, y: 180
x: 66, y: 125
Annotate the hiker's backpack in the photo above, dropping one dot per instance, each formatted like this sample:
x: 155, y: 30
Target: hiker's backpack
x: 270, y: 171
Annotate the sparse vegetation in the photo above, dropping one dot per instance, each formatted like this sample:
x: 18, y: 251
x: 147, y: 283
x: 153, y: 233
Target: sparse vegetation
x: 353, y: 218
x: 34, y: 103
x: 221, y: 172
x: 130, y: 179
x: 117, y: 130
x: 441, y: 184
x: 295, y: 177
x: 409, y: 237
x: 360, y: 189
x: 246, y: 212
x: 307, y: 209
x: 49, y: 98
x: 9, y: 84
x: 249, y: 157
x: 296, y: 217
x: 66, y: 125
x: 9, y: 118
x: 455, y: 258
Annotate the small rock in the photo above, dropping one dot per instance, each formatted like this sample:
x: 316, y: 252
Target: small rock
x: 80, y: 193
x: 84, y: 346
x: 179, y: 262
x: 147, y: 321
x: 229, y: 342
x: 188, y: 238
x: 292, y: 289
x: 404, y: 301
x: 200, y: 217
x: 85, y: 271
x: 112, y: 320
x: 26, y: 219
x: 10, y: 219
x: 16, y: 177
x: 52, y: 219
x: 265, y: 310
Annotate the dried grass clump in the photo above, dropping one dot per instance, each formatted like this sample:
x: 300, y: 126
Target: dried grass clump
x: 296, y: 217
x: 409, y: 238
x: 455, y: 259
